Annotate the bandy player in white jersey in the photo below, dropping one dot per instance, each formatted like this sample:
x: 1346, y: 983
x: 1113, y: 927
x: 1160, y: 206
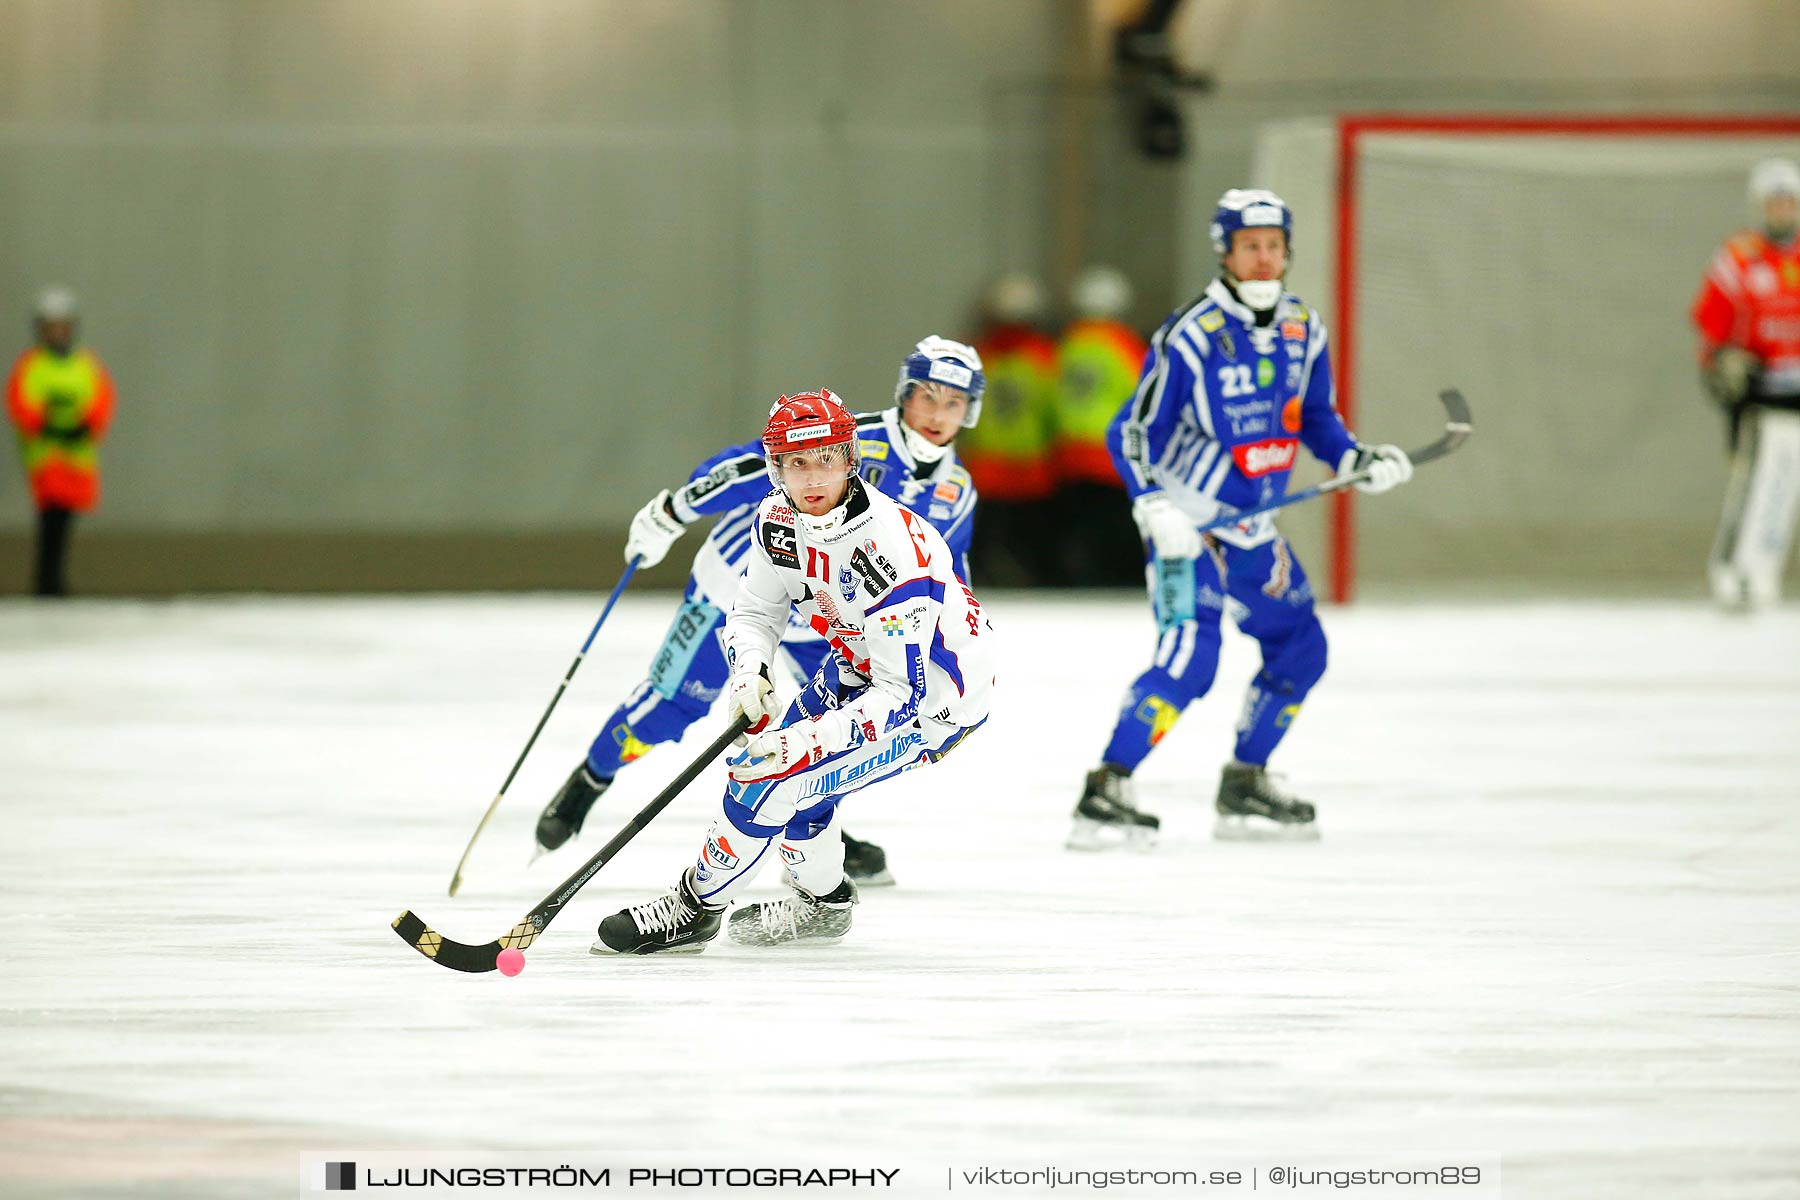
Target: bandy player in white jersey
x: 908, y: 679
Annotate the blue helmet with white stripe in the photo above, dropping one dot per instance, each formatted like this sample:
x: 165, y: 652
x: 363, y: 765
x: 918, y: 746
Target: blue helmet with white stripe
x: 942, y: 361
x: 1249, y: 208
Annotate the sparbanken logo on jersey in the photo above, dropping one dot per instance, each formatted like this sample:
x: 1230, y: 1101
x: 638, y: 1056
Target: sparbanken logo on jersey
x: 1260, y: 458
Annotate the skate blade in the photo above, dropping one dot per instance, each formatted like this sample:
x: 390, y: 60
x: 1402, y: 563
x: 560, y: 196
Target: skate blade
x: 601, y: 950
x: 1258, y: 829
x: 541, y: 844
x: 816, y: 939
x: 1089, y: 836
x: 881, y: 878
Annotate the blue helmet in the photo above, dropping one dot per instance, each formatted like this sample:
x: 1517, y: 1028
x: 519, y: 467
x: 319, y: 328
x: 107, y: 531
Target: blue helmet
x: 1249, y: 208
x: 940, y: 360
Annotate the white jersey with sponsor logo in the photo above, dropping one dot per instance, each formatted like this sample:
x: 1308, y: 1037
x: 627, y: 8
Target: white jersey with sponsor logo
x: 880, y: 586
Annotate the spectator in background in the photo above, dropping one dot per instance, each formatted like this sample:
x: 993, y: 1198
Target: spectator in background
x: 1008, y: 453
x: 1748, y: 317
x: 61, y: 399
x: 1098, y: 363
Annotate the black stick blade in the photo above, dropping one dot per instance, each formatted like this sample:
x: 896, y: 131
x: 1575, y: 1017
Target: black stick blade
x: 1456, y: 409
x: 480, y: 959
x: 1458, y: 425
x: 441, y: 950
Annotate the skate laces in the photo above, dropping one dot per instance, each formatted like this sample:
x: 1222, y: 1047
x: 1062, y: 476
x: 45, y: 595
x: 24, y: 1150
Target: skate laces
x: 663, y: 913
x: 781, y: 917
x: 1265, y: 785
x: 1115, y: 790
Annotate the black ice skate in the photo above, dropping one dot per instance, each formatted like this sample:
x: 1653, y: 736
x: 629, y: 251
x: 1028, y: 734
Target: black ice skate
x: 675, y: 923
x: 1106, y: 820
x: 802, y: 917
x: 866, y: 863
x: 1252, y: 809
x: 562, y: 817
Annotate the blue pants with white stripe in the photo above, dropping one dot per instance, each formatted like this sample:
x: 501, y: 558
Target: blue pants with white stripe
x: 1269, y: 598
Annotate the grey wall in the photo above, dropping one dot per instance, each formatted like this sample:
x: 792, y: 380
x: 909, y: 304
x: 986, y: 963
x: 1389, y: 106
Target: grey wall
x: 497, y: 270
x: 1616, y: 50
x: 451, y: 266
x: 1278, y: 59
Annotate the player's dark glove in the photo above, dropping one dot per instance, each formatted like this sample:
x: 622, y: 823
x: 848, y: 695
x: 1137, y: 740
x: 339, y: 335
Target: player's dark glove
x: 1729, y: 375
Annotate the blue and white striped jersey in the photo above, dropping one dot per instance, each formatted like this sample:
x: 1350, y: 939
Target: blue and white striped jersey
x: 729, y: 485
x: 734, y: 481
x: 1222, y: 407
x: 941, y: 492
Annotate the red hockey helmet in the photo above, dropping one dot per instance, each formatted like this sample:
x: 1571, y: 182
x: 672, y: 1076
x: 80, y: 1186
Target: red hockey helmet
x: 811, y: 430
x: 808, y: 420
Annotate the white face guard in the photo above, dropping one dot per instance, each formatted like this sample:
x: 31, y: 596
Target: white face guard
x: 922, y: 449
x: 1260, y: 294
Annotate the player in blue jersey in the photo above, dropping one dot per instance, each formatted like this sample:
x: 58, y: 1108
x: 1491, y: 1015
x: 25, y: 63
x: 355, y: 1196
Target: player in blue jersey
x: 905, y: 453
x: 1234, y: 384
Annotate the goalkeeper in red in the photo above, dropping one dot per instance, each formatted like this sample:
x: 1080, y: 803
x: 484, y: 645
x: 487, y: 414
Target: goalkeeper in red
x: 1234, y: 384
x: 1748, y: 317
x: 907, y: 679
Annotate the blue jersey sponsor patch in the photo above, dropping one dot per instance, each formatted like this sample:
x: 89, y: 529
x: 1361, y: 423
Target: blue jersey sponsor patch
x: 694, y: 622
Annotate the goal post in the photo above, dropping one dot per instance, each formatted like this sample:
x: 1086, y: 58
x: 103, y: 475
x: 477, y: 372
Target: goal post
x: 1544, y: 265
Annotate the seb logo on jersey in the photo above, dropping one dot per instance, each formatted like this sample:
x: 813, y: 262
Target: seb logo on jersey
x: 1262, y: 458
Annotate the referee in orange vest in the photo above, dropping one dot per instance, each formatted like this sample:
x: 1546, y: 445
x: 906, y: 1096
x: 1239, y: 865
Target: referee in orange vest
x: 61, y: 399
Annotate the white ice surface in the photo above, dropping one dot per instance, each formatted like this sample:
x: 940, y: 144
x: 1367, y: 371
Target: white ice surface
x: 1554, y: 918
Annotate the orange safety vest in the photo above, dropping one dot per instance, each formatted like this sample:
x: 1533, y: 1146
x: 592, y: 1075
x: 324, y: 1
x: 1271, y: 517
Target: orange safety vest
x: 1098, y: 364
x: 62, y: 404
x: 1007, y: 454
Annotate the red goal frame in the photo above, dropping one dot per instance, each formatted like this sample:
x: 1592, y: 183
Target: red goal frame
x: 1352, y: 128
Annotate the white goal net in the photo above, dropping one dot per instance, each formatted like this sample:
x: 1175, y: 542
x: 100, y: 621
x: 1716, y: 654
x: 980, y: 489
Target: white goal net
x: 1546, y: 269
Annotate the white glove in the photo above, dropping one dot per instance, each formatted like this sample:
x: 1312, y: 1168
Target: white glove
x: 751, y: 695
x: 1171, y: 531
x: 1388, y: 467
x: 780, y: 752
x: 653, y: 531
